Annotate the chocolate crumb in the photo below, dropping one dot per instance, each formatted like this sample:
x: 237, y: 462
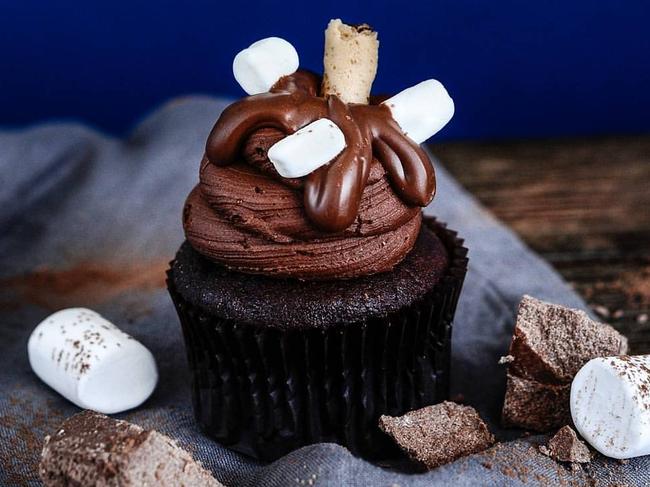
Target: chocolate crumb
x: 86, y: 282
x: 566, y: 447
x: 506, y: 359
x: 439, y: 434
x: 601, y: 310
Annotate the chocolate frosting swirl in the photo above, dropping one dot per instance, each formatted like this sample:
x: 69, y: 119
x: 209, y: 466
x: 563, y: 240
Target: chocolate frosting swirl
x: 357, y: 215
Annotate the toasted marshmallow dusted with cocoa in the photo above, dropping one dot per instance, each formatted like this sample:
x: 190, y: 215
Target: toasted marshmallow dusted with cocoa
x: 91, y: 362
x: 610, y: 405
x: 305, y: 179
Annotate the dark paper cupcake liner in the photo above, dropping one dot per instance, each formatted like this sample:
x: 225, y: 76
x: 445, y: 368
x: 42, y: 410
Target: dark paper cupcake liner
x: 265, y: 392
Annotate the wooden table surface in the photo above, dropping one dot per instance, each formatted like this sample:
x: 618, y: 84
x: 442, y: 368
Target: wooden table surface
x: 583, y: 204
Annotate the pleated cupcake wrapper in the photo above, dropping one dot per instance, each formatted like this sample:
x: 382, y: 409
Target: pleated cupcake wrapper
x: 265, y: 392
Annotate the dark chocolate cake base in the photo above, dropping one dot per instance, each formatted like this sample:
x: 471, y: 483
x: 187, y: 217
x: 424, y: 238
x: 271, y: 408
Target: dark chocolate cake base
x: 278, y: 364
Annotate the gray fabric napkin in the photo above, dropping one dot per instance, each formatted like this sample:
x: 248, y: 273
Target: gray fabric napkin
x: 90, y: 220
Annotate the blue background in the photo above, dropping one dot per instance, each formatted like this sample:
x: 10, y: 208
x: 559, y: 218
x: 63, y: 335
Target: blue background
x: 514, y: 67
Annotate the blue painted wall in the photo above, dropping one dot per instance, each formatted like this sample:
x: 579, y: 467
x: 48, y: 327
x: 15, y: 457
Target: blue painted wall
x: 514, y: 67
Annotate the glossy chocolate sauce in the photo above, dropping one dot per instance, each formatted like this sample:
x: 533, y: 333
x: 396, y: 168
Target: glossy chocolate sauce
x: 332, y: 193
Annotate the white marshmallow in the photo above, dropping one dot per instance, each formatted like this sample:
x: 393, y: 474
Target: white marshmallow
x: 610, y: 405
x: 258, y: 67
x: 422, y: 110
x: 307, y: 149
x: 91, y: 362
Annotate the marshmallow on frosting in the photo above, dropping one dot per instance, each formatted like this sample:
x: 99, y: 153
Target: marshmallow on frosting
x: 350, y: 65
x: 307, y: 149
x: 610, y: 405
x: 422, y: 110
x: 91, y: 362
x: 263, y: 63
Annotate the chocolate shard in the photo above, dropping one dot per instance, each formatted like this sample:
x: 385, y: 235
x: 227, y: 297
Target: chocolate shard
x: 549, y: 345
x: 566, y: 447
x: 534, y: 405
x: 551, y: 342
x: 439, y: 434
x: 92, y: 449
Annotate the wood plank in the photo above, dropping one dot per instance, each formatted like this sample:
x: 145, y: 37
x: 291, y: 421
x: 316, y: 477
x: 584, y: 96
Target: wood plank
x: 583, y: 204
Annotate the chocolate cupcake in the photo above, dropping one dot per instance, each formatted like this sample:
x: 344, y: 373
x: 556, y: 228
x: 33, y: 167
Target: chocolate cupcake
x: 313, y: 296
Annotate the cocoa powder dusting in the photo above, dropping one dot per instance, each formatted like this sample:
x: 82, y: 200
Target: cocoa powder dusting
x: 85, y: 284
x: 524, y: 463
x: 29, y: 422
x: 634, y: 285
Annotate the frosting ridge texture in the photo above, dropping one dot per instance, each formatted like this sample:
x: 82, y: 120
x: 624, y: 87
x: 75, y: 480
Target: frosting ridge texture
x: 358, y: 215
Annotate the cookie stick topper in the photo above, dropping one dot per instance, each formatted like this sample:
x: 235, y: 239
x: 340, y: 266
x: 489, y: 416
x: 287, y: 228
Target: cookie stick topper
x: 332, y: 192
x: 350, y: 66
x: 350, y: 61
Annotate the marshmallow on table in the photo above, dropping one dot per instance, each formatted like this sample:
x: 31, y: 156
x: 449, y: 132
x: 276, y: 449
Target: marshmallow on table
x: 422, y: 110
x: 91, y: 362
x: 263, y: 63
x: 610, y: 405
x: 307, y: 149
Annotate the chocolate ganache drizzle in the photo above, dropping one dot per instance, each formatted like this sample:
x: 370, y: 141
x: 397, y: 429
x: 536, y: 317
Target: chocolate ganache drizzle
x: 357, y: 215
x: 332, y: 193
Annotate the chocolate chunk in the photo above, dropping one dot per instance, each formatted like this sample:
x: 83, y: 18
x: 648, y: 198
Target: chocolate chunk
x: 566, y: 447
x: 92, y: 449
x: 533, y: 405
x: 439, y: 434
x: 550, y: 344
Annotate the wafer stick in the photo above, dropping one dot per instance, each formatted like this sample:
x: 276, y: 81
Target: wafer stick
x: 350, y: 61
